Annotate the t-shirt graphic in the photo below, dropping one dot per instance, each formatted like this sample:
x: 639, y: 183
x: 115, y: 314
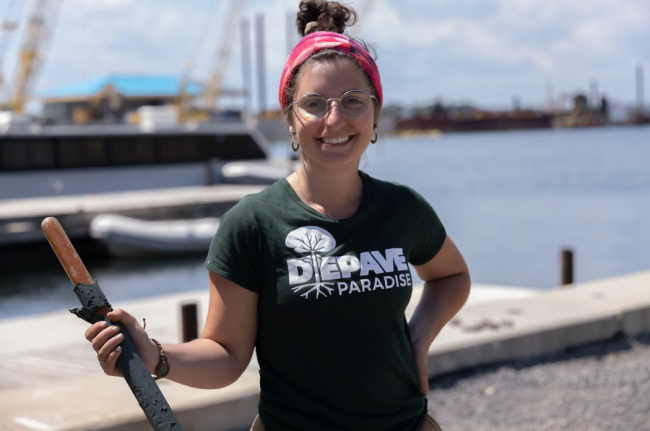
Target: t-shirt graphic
x: 311, y: 240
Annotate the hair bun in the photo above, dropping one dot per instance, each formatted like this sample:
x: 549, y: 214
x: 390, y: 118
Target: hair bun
x: 323, y: 15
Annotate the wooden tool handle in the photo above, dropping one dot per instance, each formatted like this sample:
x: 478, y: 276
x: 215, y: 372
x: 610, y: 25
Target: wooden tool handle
x: 65, y: 251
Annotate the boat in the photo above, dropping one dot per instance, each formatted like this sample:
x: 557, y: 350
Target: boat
x: 130, y: 237
x: 255, y: 172
x: 125, y: 145
x: 34, y: 147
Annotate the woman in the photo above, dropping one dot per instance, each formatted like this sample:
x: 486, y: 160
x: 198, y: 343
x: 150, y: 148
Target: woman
x: 313, y: 270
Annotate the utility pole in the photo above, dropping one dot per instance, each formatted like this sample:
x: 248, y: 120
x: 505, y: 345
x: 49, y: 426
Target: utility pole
x: 247, y: 80
x: 261, y: 63
x: 291, y: 31
x: 639, y: 92
x: 593, y: 90
x: 550, y: 99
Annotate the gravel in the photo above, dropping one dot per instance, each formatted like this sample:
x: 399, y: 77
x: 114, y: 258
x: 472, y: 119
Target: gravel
x: 602, y: 386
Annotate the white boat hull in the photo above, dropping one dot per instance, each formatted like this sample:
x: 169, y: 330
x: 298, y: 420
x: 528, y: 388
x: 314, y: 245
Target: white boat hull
x: 129, y: 237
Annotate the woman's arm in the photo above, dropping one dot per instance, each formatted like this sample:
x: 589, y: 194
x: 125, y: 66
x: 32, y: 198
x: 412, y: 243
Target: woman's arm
x: 226, y: 345
x: 215, y: 360
x: 446, y: 288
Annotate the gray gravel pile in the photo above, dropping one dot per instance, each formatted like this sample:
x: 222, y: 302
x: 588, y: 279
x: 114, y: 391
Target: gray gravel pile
x: 602, y: 386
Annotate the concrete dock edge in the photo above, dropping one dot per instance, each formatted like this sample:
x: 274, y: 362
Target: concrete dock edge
x: 528, y: 326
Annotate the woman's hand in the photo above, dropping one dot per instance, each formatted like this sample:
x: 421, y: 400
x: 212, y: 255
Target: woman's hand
x: 421, y: 353
x: 106, y: 339
x: 446, y: 288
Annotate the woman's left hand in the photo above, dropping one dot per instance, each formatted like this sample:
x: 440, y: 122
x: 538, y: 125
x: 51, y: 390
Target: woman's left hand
x: 445, y: 291
x: 421, y: 364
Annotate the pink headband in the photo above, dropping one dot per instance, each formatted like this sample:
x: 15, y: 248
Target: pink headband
x: 319, y: 41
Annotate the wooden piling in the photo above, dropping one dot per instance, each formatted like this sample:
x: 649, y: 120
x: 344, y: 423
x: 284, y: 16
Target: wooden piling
x: 190, y: 322
x: 209, y: 175
x: 567, y: 267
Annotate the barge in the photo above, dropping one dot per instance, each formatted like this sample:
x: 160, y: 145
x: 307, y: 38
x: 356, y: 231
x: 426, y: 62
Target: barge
x: 76, y: 172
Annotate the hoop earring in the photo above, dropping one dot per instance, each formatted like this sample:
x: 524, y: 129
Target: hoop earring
x: 295, y: 147
x: 372, y: 141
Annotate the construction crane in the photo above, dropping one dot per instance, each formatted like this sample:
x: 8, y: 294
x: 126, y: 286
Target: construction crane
x: 7, y: 30
x: 38, y: 34
x: 184, y: 100
x: 213, y: 89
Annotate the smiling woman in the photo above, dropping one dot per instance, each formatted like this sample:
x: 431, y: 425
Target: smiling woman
x: 313, y: 271
x: 328, y: 135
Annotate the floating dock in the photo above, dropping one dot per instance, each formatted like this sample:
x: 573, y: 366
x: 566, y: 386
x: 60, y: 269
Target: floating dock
x: 22, y: 241
x: 20, y: 219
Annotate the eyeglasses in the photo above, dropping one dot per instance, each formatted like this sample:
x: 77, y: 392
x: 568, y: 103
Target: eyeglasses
x: 353, y: 104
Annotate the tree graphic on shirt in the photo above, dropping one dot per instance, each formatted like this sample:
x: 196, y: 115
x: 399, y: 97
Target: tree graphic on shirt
x: 312, y: 239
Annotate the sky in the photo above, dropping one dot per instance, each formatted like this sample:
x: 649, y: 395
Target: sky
x: 483, y: 52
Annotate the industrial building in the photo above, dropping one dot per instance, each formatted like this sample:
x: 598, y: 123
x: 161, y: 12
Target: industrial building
x: 113, y: 98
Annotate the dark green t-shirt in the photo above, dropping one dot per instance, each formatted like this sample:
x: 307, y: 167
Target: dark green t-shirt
x: 332, y: 341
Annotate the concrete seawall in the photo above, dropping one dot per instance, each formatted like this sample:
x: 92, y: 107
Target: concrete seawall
x: 50, y: 380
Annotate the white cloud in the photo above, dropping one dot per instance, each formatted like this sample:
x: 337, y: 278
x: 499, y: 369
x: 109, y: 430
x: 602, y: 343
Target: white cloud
x: 480, y: 50
x: 520, y: 40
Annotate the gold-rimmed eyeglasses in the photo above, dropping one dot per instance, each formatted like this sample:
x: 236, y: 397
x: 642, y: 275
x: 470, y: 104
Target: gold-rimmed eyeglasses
x: 353, y: 104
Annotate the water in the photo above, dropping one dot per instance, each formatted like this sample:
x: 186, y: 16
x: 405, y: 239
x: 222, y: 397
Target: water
x: 510, y: 200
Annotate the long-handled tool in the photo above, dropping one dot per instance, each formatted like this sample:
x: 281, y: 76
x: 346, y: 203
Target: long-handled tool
x: 94, y: 307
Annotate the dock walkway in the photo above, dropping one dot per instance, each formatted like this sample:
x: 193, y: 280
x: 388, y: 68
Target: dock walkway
x: 50, y: 380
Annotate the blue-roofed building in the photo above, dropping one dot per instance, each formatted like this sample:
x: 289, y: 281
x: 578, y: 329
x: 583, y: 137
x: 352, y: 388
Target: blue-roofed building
x: 127, y: 85
x: 112, y: 97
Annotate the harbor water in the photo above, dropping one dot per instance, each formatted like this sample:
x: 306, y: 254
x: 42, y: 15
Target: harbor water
x: 510, y: 200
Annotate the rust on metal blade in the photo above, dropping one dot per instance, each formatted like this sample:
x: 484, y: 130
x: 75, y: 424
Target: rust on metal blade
x: 65, y: 251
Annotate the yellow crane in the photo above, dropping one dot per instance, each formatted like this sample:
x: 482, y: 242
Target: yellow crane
x: 7, y: 30
x: 39, y: 31
x: 213, y: 88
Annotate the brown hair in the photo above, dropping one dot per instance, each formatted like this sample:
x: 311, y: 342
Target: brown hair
x: 330, y: 16
x: 326, y: 16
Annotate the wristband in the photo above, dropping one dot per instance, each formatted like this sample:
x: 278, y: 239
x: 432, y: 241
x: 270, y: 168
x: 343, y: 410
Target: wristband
x: 162, y: 369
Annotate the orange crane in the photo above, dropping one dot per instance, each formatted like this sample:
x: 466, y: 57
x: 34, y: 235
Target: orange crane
x: 38, y: 34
